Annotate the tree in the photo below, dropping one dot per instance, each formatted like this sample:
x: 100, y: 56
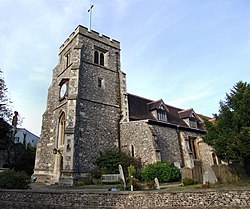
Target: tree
x: 16, y: 155
x: 5, y: 116
x: 5, y: 139
x: 111, y: 159
x: 230, y: 134
x: 5, y: 110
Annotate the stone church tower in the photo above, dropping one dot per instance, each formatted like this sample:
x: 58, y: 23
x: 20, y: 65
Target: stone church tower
x: 86, y: 104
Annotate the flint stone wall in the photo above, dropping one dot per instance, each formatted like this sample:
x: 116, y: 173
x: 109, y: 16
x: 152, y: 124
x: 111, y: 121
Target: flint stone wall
x: 125, y: 200
x: 149, y: 139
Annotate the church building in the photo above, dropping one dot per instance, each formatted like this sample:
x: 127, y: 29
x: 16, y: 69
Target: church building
x: 89, y: 111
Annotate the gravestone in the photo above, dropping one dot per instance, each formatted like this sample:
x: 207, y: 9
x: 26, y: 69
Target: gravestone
x: 157, y: 185
x: 122, y: 176
x: 209, y: 175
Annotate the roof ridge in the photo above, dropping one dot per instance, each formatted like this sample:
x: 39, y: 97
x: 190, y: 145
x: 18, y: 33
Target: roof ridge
x: 186, y: 109
x: 140, y: 97
x: 155, y: 101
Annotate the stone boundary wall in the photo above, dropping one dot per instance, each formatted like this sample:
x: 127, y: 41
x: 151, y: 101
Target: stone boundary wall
x: 124, y: 200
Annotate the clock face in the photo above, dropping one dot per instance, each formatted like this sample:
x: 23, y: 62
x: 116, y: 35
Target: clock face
x: 63, y: 90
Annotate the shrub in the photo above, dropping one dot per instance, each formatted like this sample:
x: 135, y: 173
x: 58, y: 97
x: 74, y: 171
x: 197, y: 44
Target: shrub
x: 188, y: 181
x: 11, y: 179
x: 164, y: 171
x: 111, y: 159
x: 82, y: 181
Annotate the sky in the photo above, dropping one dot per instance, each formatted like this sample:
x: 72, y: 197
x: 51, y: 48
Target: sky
x: 189, y: 53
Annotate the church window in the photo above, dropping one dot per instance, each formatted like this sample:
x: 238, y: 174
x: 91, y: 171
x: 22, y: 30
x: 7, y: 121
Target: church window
x: 96, y: 57
x: 102, y: 59
x: 61, y: 129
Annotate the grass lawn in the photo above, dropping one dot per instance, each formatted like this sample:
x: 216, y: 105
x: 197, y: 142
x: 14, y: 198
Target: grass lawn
x: 175, y: 186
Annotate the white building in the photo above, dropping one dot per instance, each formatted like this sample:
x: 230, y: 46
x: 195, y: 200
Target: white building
x: 23, y: 134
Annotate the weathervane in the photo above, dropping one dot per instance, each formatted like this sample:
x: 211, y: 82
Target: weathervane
x: 90, y: 16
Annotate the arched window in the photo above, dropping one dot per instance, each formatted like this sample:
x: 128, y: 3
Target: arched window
x: 96, y: 57
x: 102, y: 59
x: 61, y: 130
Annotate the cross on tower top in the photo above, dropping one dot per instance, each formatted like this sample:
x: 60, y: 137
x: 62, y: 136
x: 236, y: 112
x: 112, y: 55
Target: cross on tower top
x: 90, y: 16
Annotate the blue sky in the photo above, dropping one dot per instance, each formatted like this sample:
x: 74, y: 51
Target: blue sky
x: 187, y: 52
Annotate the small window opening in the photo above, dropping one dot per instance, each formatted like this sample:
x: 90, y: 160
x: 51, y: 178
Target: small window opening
x: 67, y: 59
x: 132, y: 151
x: 100, y: 82
x: 102, y: 59
x: 96, y: 57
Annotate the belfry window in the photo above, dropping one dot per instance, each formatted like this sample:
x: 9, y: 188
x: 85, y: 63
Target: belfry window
x: 67, y: 60
x: 96, y: 57
x: 102, y: 59
x: 99, y: 57
x: 61, y: 130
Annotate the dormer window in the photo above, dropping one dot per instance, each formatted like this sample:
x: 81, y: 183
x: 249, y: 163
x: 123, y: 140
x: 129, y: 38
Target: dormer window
x: 189, y: 117
x: 161, y: 115
x: 159, y: 110
x: 192, y: 123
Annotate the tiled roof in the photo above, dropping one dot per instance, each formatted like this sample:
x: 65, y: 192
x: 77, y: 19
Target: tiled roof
x: 185, y: 113
x: 154, y: 104
x: 139, y: 109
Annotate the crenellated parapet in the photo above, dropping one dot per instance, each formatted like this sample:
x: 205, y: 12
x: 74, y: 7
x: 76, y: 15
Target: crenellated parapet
x: 91, y: 34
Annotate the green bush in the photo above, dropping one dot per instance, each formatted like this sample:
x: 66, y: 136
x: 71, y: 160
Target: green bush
x: 111, y: 159
x: 11, y: 179
x: 188, y: 181
x: 164, y: 171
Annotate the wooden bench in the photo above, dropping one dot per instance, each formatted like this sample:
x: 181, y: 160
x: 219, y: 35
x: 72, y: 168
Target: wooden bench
x: 110, y: 178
